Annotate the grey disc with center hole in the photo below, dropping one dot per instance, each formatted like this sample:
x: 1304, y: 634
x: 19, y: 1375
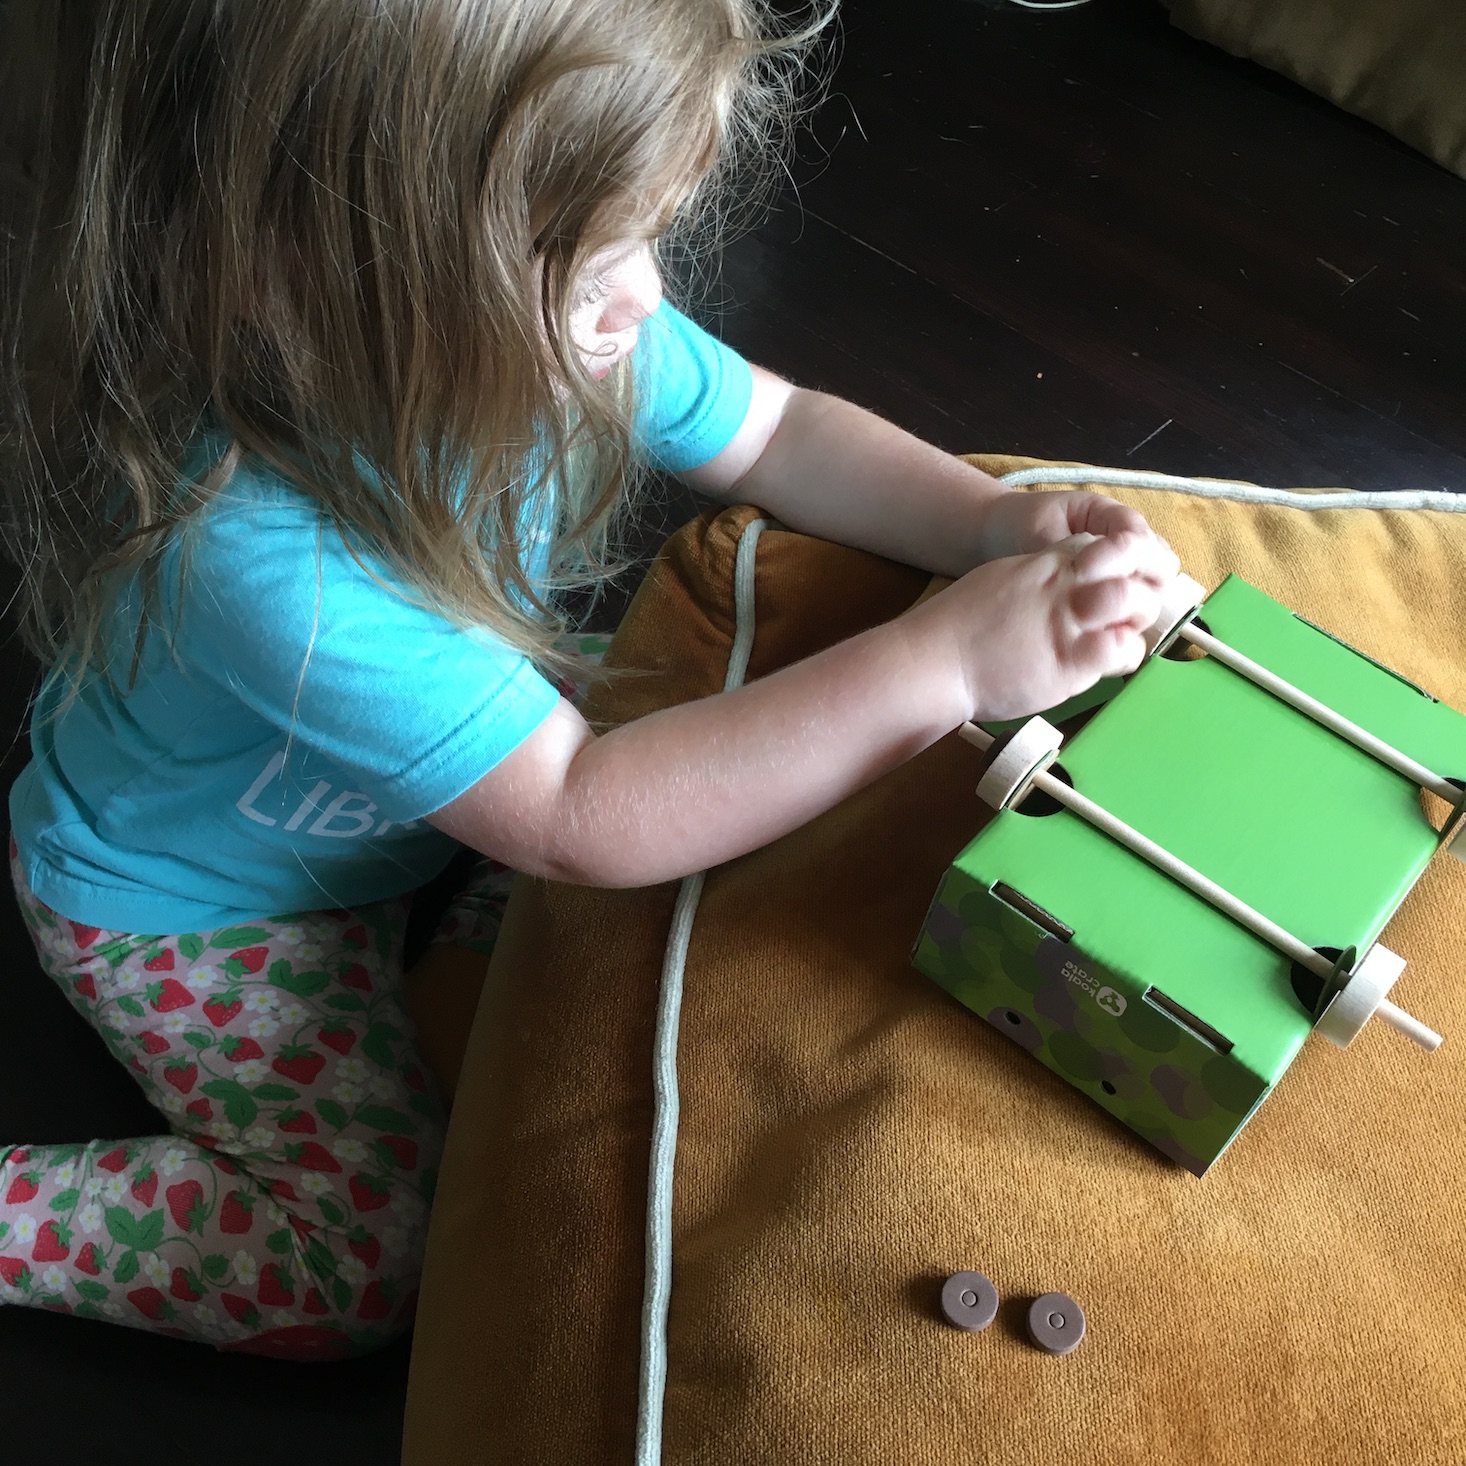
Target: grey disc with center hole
x: 969, y: 1301
x: 1055, y: 1323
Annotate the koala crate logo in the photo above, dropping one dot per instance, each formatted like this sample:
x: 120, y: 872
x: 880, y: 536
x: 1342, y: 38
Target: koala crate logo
x: 1105, y: 998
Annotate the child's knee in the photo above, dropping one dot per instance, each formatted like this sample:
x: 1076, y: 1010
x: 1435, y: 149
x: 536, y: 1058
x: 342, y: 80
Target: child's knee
x: 307, y: 1292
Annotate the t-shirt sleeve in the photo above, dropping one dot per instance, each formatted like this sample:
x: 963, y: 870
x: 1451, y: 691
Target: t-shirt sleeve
x: 278, y: 611
x: 692, y: 392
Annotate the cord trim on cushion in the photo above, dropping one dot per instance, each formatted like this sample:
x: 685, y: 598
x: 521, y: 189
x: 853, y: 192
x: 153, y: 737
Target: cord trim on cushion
x: 1241, y: 493
x: 665, y: 1101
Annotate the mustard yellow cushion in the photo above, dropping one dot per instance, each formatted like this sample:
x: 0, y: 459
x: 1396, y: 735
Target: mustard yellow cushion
x: 850, y: 1136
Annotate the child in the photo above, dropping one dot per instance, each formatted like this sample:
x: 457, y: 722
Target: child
x: 364, y: 337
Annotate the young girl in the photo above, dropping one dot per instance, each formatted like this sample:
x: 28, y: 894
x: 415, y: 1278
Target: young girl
x: 344, y: 337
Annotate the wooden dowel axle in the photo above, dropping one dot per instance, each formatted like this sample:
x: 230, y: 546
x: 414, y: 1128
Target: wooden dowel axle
x: 1408, y: 1024
x: 1215, y: 895
x: 1335, y: 722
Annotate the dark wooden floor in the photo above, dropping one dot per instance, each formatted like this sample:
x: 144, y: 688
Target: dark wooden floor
x: 1085, y: 235
x: 1078, y: 235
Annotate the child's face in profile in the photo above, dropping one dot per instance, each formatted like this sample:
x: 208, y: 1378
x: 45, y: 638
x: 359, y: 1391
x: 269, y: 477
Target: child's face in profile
x: 620, y: 289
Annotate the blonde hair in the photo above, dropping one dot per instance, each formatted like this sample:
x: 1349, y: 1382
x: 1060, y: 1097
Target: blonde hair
x: 344, y: 236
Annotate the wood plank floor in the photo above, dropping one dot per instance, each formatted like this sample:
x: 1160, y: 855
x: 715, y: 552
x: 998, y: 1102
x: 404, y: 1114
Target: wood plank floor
x: 1085, y: 235
x: 1079, y: 235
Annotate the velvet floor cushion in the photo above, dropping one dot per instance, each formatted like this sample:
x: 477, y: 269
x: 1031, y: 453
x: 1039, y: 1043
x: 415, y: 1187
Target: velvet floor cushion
x: 1400, y: 63
x: 850, y: 1136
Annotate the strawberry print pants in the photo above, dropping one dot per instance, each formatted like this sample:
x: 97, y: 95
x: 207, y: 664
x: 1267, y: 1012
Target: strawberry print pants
x: 285, y: 1213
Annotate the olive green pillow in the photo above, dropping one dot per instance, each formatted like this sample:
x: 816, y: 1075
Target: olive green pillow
x: 1399, y: 63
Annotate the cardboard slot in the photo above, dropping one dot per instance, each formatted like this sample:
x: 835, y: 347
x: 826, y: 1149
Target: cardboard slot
x: 1188, y: 1020
x: 1032, y: 911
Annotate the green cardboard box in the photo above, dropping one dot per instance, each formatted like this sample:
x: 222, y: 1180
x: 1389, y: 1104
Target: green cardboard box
x: 1139, y: 993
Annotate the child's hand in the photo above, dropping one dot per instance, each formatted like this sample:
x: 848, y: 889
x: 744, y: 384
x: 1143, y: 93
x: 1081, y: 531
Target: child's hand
x: 1034, y: 630
x: 1017, y: 523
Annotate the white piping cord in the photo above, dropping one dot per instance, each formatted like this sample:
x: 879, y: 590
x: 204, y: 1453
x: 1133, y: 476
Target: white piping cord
x: 1224, y: 901
x: 1241, y: 493
x: 666, y: 1103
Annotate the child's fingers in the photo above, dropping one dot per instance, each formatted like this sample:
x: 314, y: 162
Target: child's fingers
x: 1113, y: 520
x: 1115, y: 601
x: 1161, y: 564
x: 1111, y: 651
x: 1144, y: 555
x: 1103, y: 557
x: 1109, y: 558
x: 1105, y: 516
x: 1140, y: 557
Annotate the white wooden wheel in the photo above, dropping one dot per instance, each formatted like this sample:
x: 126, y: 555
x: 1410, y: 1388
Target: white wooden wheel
x: 1026, y: 755
x: 1358, y: 1000
x: 1182, y: 597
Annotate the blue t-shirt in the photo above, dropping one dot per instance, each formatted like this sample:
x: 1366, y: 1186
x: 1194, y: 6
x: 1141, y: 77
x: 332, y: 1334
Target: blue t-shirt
x: 279, y: 753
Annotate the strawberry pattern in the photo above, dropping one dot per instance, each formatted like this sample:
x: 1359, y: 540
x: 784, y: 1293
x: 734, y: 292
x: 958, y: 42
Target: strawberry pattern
x: 286, y: 1211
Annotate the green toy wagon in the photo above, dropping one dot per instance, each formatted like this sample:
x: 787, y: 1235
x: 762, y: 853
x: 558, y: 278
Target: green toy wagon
x: 1163, y: 915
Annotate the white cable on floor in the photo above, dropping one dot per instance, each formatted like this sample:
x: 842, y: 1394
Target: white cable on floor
x: 657, y: 1290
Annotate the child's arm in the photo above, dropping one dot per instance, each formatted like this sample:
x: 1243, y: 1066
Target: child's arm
x: 828, y: 468
x: 700, y: 783
x: 694, y: 785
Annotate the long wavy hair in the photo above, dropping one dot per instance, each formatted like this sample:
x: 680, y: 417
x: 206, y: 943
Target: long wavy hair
x: 342, y: 237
